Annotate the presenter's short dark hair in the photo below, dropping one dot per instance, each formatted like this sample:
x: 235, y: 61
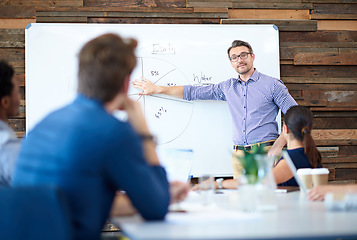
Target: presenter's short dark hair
x: 104, y: 63
x: 239, y: 43
x: 6, y: 74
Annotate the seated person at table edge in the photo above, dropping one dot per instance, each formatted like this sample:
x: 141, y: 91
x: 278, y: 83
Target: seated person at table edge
x: 88, y: 153
x: 9, y: 106
x: 253, y: 99
x: 318, y: 193
x: 300, y: 146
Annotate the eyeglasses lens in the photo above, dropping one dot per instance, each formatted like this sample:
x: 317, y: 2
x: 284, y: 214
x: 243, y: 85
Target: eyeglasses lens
x: 235, y: 58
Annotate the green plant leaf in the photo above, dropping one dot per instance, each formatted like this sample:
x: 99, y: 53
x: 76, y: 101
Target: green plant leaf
x: 250, y: 164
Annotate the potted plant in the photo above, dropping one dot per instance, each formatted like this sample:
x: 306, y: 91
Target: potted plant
x: 256, y: 184
x: 250, y: 162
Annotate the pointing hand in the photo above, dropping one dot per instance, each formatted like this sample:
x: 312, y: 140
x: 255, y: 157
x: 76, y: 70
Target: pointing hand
x: 147, y: 87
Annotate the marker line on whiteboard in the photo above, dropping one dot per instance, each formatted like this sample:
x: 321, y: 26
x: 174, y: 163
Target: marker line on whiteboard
x: 164, y: 75
x: 170, y: 99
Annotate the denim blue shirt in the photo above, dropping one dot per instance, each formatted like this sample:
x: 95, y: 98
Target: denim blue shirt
x: 89, y: 155
x: 9, y: 149
x: 253, y: 105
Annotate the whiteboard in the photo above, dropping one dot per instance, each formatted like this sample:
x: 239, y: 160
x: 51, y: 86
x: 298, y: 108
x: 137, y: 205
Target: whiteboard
x: 167, y: 55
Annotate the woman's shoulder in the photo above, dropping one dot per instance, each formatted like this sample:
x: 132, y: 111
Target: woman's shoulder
x: 299, y: 158
x: 296, y: 151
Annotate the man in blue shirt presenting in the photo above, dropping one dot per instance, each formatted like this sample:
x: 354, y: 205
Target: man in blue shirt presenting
x: 89, y: 154
x: 253, y: 99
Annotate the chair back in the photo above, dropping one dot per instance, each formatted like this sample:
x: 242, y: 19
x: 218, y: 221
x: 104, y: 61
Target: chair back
x: 39, y: 212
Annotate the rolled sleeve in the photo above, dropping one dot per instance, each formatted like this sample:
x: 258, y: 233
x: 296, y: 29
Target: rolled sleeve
x: 210, y: 92
x: 282, y: 97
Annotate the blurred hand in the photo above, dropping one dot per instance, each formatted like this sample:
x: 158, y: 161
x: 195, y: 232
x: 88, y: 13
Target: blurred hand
x: 274, y: 151
x: 135, y: 115
x: 207, y: 183
x: 178, y: 191
x: 195, y: 187
x: 278, y: 145
x: 318, y: 193
x: 146, y: 86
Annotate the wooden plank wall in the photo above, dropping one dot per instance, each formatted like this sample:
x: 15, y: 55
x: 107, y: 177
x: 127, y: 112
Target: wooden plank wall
x: 318, y: 51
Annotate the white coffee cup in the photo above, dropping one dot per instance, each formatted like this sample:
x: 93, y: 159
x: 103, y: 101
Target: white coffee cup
x: 305, y: 176
x: 319, y: 176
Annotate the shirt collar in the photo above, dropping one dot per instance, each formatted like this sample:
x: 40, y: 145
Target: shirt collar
x: 86, y: 100
x: 255, y: 76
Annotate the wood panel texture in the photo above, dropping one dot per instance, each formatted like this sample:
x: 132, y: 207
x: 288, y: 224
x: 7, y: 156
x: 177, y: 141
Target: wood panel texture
x: 123, y: 15
x: 328, y: 1
x: 132, y: 14
x: 42, y: 3
x: 12, y: 38
x: 16, y: 57
x: 268, y: 14
x: 283, y: 25
x: 336, y: 25
x: 316, y: 38
x: 17, y: 12
x: 325, y: 58
x: 210, y: 4
x: 136, y: 3
x: 15, y: 23
x: 334, y: 11
x: 318, y: 52
x: 155, y: 20
x: 271, y: 4
x: 335, y: 122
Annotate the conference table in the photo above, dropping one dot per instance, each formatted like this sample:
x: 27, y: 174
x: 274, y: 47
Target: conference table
x: 294, y: 217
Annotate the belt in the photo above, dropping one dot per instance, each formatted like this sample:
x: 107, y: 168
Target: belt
x: 249, y: 147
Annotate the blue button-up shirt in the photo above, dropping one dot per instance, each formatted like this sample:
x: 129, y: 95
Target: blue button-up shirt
x: 90, y: 161
x: 253, y: 105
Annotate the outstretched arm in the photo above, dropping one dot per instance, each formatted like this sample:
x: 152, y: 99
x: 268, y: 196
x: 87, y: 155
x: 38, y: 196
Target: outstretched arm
x: 122, y: 205
x: 150, y: 88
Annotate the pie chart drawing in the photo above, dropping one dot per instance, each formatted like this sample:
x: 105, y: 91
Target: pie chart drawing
x: 167, y: 117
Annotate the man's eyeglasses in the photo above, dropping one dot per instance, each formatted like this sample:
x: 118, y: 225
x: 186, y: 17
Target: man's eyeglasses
x: 243, y: 55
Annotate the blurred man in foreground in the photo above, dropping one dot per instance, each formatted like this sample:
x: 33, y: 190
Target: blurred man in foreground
x: 89, y: 154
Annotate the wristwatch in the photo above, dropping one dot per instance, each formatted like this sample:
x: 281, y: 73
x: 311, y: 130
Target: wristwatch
x: 219, y: 183
x: 148, y: 137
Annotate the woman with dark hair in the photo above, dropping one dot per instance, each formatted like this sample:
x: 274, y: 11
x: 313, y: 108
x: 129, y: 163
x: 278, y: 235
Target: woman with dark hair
x: 300, y: 145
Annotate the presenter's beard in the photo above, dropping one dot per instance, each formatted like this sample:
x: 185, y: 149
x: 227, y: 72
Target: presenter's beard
x: 243, y: 71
